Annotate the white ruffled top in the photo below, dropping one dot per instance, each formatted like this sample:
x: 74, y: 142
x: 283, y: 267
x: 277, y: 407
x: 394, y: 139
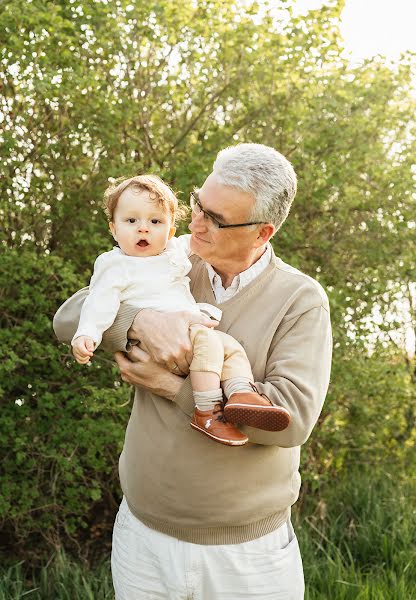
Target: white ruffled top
x: 158, y: 282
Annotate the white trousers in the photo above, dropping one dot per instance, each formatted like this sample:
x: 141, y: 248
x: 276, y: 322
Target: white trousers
x: 147, y: 564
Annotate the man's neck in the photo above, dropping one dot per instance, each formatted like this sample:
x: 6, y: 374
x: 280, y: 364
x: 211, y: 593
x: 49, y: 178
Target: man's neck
x: 228, y: 274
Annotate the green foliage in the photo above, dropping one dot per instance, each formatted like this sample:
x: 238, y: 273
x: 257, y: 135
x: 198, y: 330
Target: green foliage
x: 92, y: 90
x: 62, y: 426
x: 367, y: 419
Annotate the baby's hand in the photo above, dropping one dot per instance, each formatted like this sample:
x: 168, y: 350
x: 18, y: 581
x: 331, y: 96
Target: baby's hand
x: 83, y: 349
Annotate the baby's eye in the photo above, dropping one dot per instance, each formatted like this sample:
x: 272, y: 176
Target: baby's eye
x: 131, y: 220
x: 155, y: 221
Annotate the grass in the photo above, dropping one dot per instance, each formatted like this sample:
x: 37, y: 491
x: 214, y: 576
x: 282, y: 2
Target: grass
x: 357, y: 543
x: 62, y: 580
x: 364, y: 547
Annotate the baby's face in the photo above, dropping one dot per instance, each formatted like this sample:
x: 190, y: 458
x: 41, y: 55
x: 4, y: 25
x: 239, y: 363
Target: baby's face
x: 139, y: 225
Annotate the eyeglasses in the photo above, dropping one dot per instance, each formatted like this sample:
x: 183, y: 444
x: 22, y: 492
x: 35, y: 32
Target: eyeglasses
x: 197, y: 208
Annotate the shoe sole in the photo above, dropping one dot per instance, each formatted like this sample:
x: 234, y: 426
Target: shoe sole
x: 221, y: 440
x: 261, y: 417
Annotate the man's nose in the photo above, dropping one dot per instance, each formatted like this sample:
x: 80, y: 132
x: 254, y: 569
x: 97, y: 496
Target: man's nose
x: 198, y: 222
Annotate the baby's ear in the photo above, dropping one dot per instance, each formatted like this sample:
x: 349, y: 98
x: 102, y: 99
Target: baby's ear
x: 112, y: 229
x: 171, y: 232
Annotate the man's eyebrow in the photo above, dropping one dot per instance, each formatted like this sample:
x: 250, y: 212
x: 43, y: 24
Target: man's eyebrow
x: 210, y: 212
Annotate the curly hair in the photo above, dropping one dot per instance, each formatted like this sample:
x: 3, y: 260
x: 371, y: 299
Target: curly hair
x: 158, y: 190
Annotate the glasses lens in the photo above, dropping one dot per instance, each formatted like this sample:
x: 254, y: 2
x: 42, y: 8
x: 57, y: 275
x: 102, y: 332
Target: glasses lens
x: 194, y: 204
x: 197, y: 208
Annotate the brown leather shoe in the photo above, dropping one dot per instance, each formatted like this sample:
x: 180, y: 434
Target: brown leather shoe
x: 255, y: 410
x: 213, y: 424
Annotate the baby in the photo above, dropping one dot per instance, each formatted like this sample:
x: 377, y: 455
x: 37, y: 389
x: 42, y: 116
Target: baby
x: 149, y: 269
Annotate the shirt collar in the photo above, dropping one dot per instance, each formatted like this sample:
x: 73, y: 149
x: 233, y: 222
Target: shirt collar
x: 240, y: 280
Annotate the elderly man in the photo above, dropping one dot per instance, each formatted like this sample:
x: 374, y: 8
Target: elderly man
x: 198, y: 519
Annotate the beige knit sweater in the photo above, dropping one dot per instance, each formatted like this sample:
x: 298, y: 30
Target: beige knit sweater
x: 183, y: 484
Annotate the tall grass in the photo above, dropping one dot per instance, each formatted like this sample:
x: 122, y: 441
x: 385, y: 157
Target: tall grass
x: 63, y: 579
x: 357, y: 543
x: 361, y: 543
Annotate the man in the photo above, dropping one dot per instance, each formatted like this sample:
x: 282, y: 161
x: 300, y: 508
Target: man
x: 198, y: 519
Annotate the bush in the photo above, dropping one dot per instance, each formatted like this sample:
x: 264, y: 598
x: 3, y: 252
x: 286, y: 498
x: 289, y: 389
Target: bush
x: 367, y: 420
x: 62, y: 424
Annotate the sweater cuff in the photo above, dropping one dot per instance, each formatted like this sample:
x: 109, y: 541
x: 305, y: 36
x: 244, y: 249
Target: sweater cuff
x: 115, y: 338
x: 184, y: 398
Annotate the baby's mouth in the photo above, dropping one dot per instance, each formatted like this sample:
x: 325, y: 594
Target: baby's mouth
x: 142, y: 243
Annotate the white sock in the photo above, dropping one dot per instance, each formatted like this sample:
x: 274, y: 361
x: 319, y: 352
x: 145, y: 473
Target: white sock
x: 207, y: 400
x: 236, y: 384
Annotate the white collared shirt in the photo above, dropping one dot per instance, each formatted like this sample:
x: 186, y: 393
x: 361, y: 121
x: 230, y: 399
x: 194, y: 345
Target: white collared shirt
x: 241, y: 280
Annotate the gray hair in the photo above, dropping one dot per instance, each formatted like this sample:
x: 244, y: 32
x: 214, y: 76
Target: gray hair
x: 262, y: 172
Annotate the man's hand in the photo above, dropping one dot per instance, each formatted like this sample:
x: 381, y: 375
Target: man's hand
x: 139, y: 369
x: 165, y: 336
x: 83, y: 349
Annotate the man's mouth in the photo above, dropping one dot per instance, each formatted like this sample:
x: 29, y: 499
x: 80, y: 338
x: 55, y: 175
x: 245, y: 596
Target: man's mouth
x: 142, y: 243
x: 199, y: 238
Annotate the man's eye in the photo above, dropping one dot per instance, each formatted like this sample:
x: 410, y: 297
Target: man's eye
x: 131, y: 220
x: 210, y: 219
x: 155, y: 221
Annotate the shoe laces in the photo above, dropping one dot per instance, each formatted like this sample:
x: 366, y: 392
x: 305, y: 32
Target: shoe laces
x: 253, y: 387
x: 218, y: 410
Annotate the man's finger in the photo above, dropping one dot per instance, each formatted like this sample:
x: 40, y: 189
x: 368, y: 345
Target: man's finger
x: 203, y: 320
x: 137, y: 354
x: 125, y: 365
x: 178, y: 363
x: 181, y: 364
x: 121, y: 360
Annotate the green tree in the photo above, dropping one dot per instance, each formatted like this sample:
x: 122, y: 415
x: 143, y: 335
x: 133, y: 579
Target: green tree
x: 93, y: 90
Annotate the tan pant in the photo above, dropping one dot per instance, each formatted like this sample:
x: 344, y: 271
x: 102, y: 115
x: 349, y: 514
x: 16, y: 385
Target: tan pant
x: 218, y: 352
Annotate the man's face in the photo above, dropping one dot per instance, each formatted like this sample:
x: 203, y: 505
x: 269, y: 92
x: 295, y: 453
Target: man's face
x: 224, y: 249
x: 140, y: 226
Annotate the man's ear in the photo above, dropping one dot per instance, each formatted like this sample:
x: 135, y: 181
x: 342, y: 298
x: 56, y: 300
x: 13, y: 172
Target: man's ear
x: 112, y: 229
x: 172, y: 232
x: 265, y: 232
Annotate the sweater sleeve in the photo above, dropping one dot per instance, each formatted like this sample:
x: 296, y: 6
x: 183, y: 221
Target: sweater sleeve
x: 184, y: 398
x: 66, y: 321
x: 297, y: 376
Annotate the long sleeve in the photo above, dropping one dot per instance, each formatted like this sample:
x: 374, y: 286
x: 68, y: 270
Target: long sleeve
x: 297, y: 376
x: 184, y: 398
x: 100, y: 308
x: 66, y: 321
